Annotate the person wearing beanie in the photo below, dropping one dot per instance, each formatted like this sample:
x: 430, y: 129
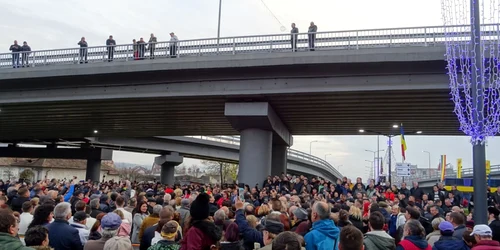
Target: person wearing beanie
x: 271, y: 231
x: 447, y: 241
x: 168, y: 234
x: 118, y: 243
x: 302, y: 224
x: 110, y: 224
x: 201, y: 232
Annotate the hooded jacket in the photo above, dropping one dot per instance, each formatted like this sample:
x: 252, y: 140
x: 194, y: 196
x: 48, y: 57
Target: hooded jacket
x: 324, y: 235
x: 10, y: 242
x: 450, y: 243
x: 379, y: 240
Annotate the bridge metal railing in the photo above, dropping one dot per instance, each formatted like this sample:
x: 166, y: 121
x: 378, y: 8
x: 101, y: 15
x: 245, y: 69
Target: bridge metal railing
x: 275, y: 43
x: 495, y: 169
x: 235, y: 140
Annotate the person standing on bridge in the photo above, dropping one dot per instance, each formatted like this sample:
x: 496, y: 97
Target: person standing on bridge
x: 152, y: 45
x: 294, y: 36
x: 25, y: 54
x: 15, y: 48
x: 83, y: 50
x: 142, y: 48
x: 173, y: 45
x: 311, y: 35
x: 110, y: 45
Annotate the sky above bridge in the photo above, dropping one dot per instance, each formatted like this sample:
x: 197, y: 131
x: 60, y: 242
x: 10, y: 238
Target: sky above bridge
x: 51, y: 24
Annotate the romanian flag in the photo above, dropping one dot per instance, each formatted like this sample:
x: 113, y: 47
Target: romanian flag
x: 403, y: 143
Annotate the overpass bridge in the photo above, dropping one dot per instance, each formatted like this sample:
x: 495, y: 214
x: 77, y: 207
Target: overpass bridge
x: 466, y: 173
x: 216, y: 148
x: 255, y: 86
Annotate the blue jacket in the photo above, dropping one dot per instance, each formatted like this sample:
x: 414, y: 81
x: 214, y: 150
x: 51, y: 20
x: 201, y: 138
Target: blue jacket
x: 68, y: 195
x: 250, y: 235
x: 450, y: 243
x: 323, y: 236
x: 62, y: 236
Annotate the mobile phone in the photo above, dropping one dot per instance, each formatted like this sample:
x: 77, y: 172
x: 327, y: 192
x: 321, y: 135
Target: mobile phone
x: 241, y: 191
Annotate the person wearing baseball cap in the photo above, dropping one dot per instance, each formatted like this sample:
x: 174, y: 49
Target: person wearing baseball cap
x: 447, y: 241
x: 110, y: 224
x: 483, y: 235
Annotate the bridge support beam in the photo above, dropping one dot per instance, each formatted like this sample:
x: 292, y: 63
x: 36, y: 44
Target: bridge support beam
x: 262, y: 134
x: 168, y: 164
x: 279, y: 159
x: 93, y: 171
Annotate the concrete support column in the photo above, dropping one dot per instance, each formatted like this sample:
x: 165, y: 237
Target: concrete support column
x: 93, y: 170
x: 279, y: 159
x: 255, y: 156
x: 168, y: 164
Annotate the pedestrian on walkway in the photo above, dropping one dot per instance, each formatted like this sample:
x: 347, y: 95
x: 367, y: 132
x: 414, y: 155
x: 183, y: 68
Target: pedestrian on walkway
x: 173, y: 45
x: 294, y: 35
x: 152, y: 46
x: 83, y: 50
x: 110, y: 46
x: 26, y: 51
x: 142, y: 48
x: 311, y: 35
x: 15, y: 49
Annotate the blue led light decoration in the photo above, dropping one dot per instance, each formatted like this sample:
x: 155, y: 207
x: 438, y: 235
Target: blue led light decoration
x: 473, y: 58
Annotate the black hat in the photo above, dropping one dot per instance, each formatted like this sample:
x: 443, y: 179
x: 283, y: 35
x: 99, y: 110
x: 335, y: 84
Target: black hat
x: 200, y: 209
x: 274, y: 227
x: 79, y: 216
x: 493, y: 210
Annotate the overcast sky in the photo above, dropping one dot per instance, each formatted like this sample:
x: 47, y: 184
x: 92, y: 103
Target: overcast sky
x: 49, y: 24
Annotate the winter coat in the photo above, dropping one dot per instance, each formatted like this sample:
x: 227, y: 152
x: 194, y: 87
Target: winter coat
x: 413, y: 242
x: 324, y: 235
x: 487, y: 245
x: 165, y: 245
x: 450, y: 243
x: 379, y: 240
x: 201, y: 236
x: 231, y: 246
x: 9, y: 242
x: 63, y: 236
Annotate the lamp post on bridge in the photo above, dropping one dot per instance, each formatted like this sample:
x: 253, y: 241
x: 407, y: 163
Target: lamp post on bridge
x: 376, y: 157
x: 429, y: 155
x: 218, y: 25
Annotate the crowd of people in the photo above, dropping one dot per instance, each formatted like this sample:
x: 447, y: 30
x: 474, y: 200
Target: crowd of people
x: 21, y: 54
x: 285, y: 212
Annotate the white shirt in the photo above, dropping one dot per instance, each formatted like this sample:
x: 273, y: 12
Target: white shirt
x: 83, y: 232
x: 90, y: 222
x: 26, y: 219
x: 126, y: 214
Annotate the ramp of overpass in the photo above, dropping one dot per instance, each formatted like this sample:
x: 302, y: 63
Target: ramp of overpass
x: 355, y: 79
x: 466, y: 173
x: 214, y: 148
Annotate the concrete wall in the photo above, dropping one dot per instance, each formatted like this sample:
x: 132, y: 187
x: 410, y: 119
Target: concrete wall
x: 52, y: 173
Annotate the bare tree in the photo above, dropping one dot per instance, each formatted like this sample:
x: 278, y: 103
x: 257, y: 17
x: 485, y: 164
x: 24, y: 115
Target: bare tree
x: 132, y: 174
x: 223, y: 169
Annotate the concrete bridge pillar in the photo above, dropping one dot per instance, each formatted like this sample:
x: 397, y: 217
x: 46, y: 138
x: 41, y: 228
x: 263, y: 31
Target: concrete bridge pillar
x: 168, y: 163
x: 260, y: 129
x: 93, y: 171
x: 279, y: 159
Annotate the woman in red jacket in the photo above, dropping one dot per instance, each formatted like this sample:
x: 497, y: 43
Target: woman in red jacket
x: 202, y: 233
x: 389, y: 195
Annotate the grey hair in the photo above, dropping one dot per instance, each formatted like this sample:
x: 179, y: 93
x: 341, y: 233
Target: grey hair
x: 157, y: 209
x: 166, y: 198
x: 106, y: 233
x: 94, y: 203
x: 435, y: 223
x: 220, y: 215
x: 416, y: 229
x: 62, y: 210
x: 322, y: 209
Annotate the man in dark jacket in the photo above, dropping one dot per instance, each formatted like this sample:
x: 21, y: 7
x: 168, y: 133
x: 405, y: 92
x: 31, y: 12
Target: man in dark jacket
x: 167, y: 213
x: 416, y: 191
x: 26, y: 50
x: 293, y: 39
x: 447, y: 241
x: 15, y: 49
x: 62, y: 236
x: 377, y: 238
x: 110, y: 44
x: 23, y: 195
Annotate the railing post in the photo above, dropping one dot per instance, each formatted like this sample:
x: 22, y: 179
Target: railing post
x: 34, y: 59
x: 390, y: 40
x: 45, y: 59
x: 199, y: 49
x: 425, y: 36
x: 357, y: 39
x: 234, y: 46
x: 271, y: 47
x: 128, y: 53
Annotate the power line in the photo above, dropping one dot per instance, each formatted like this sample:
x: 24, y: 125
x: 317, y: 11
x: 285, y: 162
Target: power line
x: 272, y: 13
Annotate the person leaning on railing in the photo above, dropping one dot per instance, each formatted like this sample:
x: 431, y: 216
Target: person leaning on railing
x: 83, y: 50
x: 15, y: 48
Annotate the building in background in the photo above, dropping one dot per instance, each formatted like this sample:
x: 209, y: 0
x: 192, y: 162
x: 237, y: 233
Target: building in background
x: 38, y: 169
x: 418, y: 174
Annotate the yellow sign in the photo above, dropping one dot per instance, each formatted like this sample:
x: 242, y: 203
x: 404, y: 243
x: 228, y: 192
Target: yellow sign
x: 459, y: 168
x: 488, y: 167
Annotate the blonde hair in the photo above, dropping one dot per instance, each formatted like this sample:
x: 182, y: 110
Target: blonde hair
x: 263, y: 210
x: 252, y: 221
x: 119, y: 213
x: 355, y: 212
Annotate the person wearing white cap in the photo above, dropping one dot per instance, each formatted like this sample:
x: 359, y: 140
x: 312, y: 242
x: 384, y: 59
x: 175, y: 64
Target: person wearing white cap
x: 483, y: 235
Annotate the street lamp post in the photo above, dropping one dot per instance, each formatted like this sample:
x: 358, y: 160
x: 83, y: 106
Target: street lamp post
x: 327, y: 155
x: 376, y: 157
x: 429, y: 157
x: 218, y: 25
x: 310, y: 146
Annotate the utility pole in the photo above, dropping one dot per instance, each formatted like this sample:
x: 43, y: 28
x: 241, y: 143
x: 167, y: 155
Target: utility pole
x: 218, y: 25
